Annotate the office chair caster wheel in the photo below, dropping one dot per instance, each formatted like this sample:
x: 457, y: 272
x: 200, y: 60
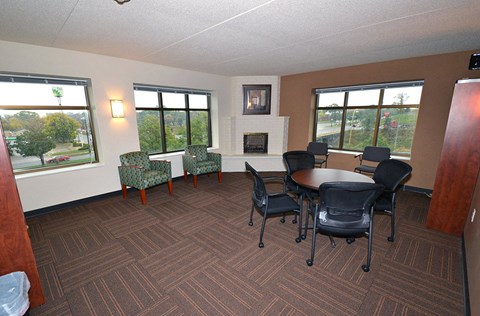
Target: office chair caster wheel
x: 350, y: 240
x: 260, y: 245
x: 304, y: 237
x: 298, y: 239
x: 282, y: 220
x: 309, y: 262
x: 365, y: 268
x: 294, y: 221
x: 250, y: 223
x: 390, y: 239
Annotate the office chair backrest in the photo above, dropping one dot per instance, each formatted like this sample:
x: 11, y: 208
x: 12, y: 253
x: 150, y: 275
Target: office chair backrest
x: 377, y: 154
x: 318, y: 148
x: 259, y: 192
x: 391, y: 173
x: 298, y: 160
x: 343, y: 202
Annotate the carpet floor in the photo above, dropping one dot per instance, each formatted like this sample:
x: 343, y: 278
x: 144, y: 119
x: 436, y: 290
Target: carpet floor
x: 193, y: 253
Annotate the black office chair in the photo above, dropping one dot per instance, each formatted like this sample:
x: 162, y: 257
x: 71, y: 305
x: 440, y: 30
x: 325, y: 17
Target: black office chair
x: 269, y: 204
x: 320, y: 150
x: 298, y: 160
x: 390, y: 173
x: 345, y: 209
x: 372, y: 154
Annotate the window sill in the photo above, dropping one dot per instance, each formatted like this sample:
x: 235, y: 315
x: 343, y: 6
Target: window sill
x: 58, y: 170
x: 176, y: 154
x: 353, y: 153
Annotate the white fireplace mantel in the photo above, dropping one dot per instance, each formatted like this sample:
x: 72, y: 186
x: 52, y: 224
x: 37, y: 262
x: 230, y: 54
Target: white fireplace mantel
x: 275, y: 126
x: 238, y: 124
x: 235, y: 127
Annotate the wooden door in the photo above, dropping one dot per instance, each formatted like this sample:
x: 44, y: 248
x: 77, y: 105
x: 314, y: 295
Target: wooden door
x: 459, y: 162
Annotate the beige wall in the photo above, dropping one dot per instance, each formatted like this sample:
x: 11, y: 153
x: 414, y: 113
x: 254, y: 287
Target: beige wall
x: 440, y: 73
x: 111, y: 78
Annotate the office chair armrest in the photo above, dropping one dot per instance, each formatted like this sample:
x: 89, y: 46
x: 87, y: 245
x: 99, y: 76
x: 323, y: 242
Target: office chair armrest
x: 273, y: 179
x: 275, y: 194
x: 391, y: 191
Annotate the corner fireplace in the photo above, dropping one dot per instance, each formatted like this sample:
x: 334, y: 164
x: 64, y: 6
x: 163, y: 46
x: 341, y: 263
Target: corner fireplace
x: 255, y: 143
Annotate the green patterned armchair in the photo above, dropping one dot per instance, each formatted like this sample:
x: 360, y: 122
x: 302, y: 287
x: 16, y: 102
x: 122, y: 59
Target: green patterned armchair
x: 139, y: 172
x: 197, y: 160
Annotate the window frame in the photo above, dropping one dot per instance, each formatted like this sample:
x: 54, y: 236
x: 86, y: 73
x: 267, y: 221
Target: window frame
x: 161, y: 112
x: 377, y: 107
x: 55, y: 80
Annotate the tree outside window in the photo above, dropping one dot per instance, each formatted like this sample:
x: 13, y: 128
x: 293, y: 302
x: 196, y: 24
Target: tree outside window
x: 350, y: 118
x: 170, y: 119
x: 46, y: 122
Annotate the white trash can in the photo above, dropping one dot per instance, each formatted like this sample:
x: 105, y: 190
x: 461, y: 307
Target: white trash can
x: 14, y: 294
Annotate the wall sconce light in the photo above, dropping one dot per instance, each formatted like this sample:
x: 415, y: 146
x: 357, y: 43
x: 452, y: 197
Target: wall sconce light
x: 117, y: 108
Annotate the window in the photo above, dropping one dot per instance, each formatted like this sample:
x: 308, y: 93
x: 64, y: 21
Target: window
x: 385, y: 115
x: 169, y: 119
x: 46, y: 122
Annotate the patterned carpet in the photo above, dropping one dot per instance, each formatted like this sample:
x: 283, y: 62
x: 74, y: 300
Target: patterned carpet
x: 193, y: 253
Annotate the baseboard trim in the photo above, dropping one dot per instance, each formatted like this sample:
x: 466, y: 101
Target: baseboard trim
x: 54, y: 208
x: 418, y: 190
x: 57, y: 207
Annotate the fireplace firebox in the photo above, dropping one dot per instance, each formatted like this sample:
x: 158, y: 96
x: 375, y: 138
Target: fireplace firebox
x: 255, y: 143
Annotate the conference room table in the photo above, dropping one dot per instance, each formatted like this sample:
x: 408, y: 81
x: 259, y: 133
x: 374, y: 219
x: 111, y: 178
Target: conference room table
x: 313, y: 178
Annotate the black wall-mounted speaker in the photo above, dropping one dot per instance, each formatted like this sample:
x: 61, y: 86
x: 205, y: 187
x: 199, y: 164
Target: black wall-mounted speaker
x: 474, y: 62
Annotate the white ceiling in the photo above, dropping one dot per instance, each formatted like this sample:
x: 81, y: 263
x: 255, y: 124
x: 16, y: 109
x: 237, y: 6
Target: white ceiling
x: 247, y: 37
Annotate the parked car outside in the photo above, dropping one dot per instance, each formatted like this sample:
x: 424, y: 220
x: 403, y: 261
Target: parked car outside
x: 57, y: 159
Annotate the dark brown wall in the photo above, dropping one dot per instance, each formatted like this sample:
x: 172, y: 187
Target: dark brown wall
x: 440, y: 73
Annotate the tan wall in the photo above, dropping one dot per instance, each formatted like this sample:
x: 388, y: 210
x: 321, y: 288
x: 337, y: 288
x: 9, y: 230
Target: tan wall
x: 440, y: 73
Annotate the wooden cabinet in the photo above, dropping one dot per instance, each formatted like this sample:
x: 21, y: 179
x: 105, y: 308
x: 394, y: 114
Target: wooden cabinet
x: 459, y: 164
x: 15, y: 248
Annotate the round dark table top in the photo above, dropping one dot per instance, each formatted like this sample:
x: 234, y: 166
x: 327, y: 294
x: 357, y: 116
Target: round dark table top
x: 313, y: 178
